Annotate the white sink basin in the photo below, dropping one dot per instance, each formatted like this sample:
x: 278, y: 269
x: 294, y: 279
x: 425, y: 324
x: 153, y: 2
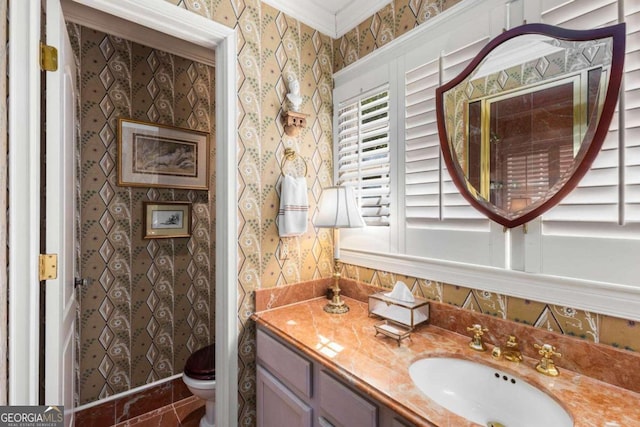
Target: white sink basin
x: 486, y: 395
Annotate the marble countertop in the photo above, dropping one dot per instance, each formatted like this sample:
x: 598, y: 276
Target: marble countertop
x: 375, y: 365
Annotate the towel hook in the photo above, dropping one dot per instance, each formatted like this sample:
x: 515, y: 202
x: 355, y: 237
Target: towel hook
x: 290, y: 155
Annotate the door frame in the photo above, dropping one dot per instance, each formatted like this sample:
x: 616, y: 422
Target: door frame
x: 25, y: 186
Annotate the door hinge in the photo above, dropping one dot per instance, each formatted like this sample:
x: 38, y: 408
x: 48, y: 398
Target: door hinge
x: 48, y: 266
x: 48, y: 57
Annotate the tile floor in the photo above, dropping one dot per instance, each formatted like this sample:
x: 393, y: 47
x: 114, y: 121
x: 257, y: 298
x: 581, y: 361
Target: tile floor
x: 185, y: 413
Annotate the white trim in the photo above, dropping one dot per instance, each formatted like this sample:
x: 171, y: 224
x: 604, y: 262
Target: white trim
x: 24, y: 201
x: 110, y: 24
x: 162, y: 16
x: 226, y: 235
x: 24, y: 158
x: 604, y: 298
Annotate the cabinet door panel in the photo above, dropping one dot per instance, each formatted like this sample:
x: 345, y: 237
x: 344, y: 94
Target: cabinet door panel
x: 343, y: 407
x: 288, y: 366
x: 277, y: 406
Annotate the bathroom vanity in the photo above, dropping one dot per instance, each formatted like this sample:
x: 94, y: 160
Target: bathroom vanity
x: 293, y: 390
x: 319, y: 369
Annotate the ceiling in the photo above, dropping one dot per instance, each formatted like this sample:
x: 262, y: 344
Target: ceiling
x: 331, y: 17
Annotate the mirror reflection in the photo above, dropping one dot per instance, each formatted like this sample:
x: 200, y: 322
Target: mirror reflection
x: 519, y: 124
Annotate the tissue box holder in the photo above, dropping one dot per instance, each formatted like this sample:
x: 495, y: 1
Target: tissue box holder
x: 401, y: 317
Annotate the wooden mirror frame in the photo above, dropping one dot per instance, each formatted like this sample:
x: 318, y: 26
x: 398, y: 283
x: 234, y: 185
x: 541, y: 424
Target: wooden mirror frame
x: 617, y: 33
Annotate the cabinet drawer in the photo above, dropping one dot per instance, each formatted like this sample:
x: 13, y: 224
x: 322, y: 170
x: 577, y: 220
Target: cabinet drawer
x: 288, y: 366
x: 343, y: 407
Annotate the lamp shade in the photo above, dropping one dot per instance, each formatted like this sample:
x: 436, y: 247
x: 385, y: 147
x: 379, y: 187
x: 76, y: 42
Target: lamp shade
x: 338, y: 208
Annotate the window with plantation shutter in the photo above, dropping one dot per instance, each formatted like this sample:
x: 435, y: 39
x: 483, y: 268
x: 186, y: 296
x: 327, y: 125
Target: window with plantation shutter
x: 363, y: 160
x: 592, y: 238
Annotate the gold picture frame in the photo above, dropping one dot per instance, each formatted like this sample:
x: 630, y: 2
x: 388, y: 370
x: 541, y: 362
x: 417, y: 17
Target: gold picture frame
x: 166, y: 220
x: 153, y: 155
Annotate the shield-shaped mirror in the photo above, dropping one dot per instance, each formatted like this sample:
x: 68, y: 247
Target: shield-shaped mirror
x: 523, y: 122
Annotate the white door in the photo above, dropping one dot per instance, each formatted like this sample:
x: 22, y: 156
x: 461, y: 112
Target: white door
x: 60, y: 302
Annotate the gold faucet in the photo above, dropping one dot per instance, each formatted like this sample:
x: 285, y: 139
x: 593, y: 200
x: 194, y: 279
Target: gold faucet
x: 511, y: 350
x: 476, y: 342
x: 546, y: 365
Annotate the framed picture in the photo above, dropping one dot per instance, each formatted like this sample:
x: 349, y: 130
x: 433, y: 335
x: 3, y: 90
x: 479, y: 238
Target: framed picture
x: 163, y: 220
x: 152, y: 155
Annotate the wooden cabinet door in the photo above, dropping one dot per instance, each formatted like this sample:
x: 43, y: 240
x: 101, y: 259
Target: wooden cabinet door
x: 277, y: 406
x: 342, y: 407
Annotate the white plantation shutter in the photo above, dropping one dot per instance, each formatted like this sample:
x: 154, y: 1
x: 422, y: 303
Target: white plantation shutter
x: 363, y: 153
x: 632, y: 113
x: 454, y: 206
x: 438, y: 222
x: 429, y: 191
x: 596, y: 198
x: 593, y: 233
x: 422, y: 145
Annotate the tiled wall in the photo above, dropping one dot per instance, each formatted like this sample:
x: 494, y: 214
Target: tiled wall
x: 593, y: 327
x: 149, y: 303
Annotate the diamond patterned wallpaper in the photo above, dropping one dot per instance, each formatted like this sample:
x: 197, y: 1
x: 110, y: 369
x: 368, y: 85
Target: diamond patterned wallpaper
x: 389, y: 23
x: 150, y: 302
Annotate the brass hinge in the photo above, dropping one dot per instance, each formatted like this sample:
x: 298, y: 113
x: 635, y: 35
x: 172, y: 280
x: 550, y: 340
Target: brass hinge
x: 48, y: 266
x: 48, y: 57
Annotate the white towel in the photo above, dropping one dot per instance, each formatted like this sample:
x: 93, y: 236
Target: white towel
x: 294, y: 207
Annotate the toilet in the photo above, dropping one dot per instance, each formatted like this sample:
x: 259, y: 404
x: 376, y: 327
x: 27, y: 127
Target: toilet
x: 200, y: 376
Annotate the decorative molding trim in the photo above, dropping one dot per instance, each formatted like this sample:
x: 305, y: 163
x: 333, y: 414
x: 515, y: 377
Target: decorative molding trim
x: 356, y: 13
x: 226, y: 235
x: 598, y: 297
x: 91, y: 18
x: 322, y: 19
x: 311, y: 14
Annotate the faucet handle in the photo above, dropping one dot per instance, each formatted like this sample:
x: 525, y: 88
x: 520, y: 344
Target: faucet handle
x: 477, y: 329
x: 547, y: 351
x: 546, y: 365
x: 476, y: 342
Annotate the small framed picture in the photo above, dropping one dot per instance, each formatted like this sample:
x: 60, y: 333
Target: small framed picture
x: 164, y: 220
x: 153, y: 155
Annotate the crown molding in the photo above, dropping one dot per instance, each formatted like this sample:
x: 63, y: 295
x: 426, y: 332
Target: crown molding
x: 334, y: 24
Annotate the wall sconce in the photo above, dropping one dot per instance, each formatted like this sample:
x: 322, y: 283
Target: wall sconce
x: 293, y: 122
